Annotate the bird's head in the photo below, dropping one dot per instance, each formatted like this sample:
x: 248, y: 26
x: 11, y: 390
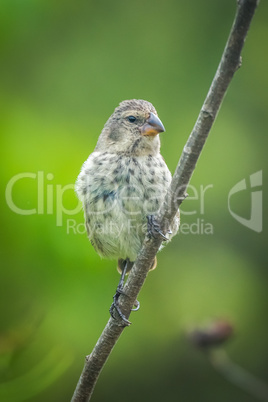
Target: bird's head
x: 132, y: 129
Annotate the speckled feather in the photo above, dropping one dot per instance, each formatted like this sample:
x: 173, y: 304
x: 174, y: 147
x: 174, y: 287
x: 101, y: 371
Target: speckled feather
x: 122, y: 182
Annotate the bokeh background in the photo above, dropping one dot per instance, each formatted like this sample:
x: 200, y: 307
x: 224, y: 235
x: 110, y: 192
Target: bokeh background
x: 65, y: 66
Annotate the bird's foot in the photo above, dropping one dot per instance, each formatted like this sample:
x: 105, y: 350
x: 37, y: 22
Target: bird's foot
x: 154, y: 228
x: 115, y: 307
x: 136, y: 305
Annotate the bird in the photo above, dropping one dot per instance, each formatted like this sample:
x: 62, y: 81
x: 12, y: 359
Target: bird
x: 122, y: 185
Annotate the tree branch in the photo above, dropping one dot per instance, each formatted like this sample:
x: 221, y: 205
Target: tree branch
x: 229, y: 63
x: 238, y: 375
x: 215, y: 335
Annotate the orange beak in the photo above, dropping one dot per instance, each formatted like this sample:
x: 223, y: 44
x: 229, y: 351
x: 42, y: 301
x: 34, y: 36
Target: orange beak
x: 153, y: 126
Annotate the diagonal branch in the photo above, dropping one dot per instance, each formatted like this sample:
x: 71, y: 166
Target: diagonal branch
x: 230, y: 62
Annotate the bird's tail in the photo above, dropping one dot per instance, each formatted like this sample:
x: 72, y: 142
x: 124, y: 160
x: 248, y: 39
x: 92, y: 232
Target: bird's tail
x: 121, y: 263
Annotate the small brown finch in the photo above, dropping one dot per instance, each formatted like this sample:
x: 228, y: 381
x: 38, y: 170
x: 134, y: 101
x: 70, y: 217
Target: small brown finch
x: 122, y: 185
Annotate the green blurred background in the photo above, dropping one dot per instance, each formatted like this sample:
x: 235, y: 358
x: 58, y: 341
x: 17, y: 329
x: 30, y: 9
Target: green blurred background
x: 65, y: 66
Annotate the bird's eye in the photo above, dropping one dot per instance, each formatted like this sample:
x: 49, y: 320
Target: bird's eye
x: 131, y: 119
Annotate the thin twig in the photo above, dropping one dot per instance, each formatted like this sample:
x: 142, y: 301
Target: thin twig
x: 229, y: 63
x: 238, y: 375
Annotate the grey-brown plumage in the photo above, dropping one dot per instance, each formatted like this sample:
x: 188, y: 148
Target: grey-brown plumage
x: 124, y: 181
